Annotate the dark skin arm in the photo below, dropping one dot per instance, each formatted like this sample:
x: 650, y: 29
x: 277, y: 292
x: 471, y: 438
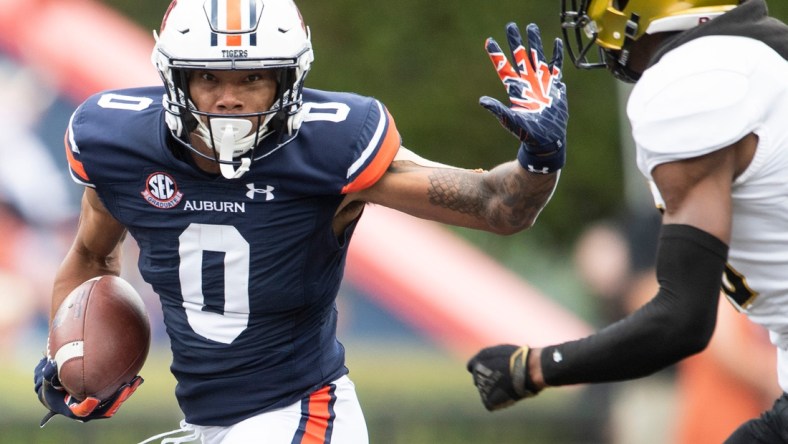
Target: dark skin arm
x: 505, y: 200
x: 95, y: 251
x: 697, y: 192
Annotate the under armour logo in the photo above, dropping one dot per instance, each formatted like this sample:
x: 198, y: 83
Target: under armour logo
x: 533, y: 169
x: 268, y: 191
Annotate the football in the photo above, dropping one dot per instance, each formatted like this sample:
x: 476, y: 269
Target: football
x: 100, y: 337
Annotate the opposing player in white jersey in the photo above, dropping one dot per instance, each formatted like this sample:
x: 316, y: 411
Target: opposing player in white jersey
x: 243, y: 188
x: 709, y: 114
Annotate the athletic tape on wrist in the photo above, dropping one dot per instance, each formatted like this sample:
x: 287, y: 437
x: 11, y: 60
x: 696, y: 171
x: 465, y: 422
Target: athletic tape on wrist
x: 521, y: 377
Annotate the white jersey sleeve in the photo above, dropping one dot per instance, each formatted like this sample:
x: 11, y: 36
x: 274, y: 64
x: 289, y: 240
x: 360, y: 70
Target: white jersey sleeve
x: 701, y: 97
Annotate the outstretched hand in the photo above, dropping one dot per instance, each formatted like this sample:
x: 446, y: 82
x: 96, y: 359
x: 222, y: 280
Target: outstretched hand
x: 59, y: 402
x: 539, y: 112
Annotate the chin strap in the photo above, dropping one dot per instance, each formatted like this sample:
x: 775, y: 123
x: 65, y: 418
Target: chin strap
x: 226, y: 133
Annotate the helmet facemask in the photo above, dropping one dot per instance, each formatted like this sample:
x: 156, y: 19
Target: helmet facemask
x: 275, y: 39
x: 581, y: 41
x: 613, y: 26
x: 584, y: 41
x: 231, y: 138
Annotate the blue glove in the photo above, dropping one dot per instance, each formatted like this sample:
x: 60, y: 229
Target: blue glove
x: 539, y: 111
x: 55, y: 398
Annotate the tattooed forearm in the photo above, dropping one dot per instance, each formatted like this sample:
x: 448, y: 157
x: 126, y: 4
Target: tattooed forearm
x: 524, y: 196
x: 501, y: 198
x: 506, y: 199
x: 454, y: 189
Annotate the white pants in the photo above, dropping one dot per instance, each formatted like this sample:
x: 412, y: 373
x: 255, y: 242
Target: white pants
x: 330, y: 415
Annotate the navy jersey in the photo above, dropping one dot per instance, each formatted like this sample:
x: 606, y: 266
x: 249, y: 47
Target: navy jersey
x: 247, y: 269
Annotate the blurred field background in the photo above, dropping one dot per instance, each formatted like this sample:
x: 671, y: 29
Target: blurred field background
x: 426, y: 62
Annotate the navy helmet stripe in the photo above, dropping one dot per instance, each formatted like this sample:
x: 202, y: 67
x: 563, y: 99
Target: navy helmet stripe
x: 214, y: 22
x: 253, y: 23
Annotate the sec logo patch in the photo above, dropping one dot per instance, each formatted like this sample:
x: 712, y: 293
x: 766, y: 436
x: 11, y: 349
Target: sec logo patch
x: 161, y: 191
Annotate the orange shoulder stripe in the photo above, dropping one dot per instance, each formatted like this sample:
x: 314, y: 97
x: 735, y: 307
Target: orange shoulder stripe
x: 76, y: 166
x: 379, y: 165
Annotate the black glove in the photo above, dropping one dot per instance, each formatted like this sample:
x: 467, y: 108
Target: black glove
x: 55, y: 398
x: 501, y: 375
x: 539, y: 112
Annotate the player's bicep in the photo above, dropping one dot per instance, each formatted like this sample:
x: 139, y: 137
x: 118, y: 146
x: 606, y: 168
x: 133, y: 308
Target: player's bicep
x: 697, y: 191
x: 444, y: 194
x: 99, y: 234
x: 406, y: 155
x: 406, y: 180
x: 95, y: 251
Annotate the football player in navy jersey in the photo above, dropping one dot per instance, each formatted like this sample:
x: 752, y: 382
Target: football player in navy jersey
x: 708, y: 114
x: 242, y: 189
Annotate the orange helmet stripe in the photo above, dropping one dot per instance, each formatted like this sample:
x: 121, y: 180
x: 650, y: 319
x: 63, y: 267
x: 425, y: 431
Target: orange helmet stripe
x: 234, y: 21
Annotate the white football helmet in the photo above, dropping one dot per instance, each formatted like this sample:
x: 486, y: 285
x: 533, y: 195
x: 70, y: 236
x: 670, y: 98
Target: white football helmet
x: 233, y: 35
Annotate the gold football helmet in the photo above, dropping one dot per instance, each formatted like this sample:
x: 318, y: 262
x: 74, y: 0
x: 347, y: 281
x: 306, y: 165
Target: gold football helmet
x: 614, y: 24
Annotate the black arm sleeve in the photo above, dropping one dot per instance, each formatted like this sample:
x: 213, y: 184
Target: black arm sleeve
x: 677, y: 323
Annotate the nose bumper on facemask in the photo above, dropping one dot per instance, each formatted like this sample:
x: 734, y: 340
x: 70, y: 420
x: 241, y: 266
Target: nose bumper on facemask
x: 229, y: 137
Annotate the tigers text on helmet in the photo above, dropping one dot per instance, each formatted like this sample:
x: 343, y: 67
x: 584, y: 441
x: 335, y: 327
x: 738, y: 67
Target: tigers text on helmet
x: 613, y: 25
x: 233, y: 35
